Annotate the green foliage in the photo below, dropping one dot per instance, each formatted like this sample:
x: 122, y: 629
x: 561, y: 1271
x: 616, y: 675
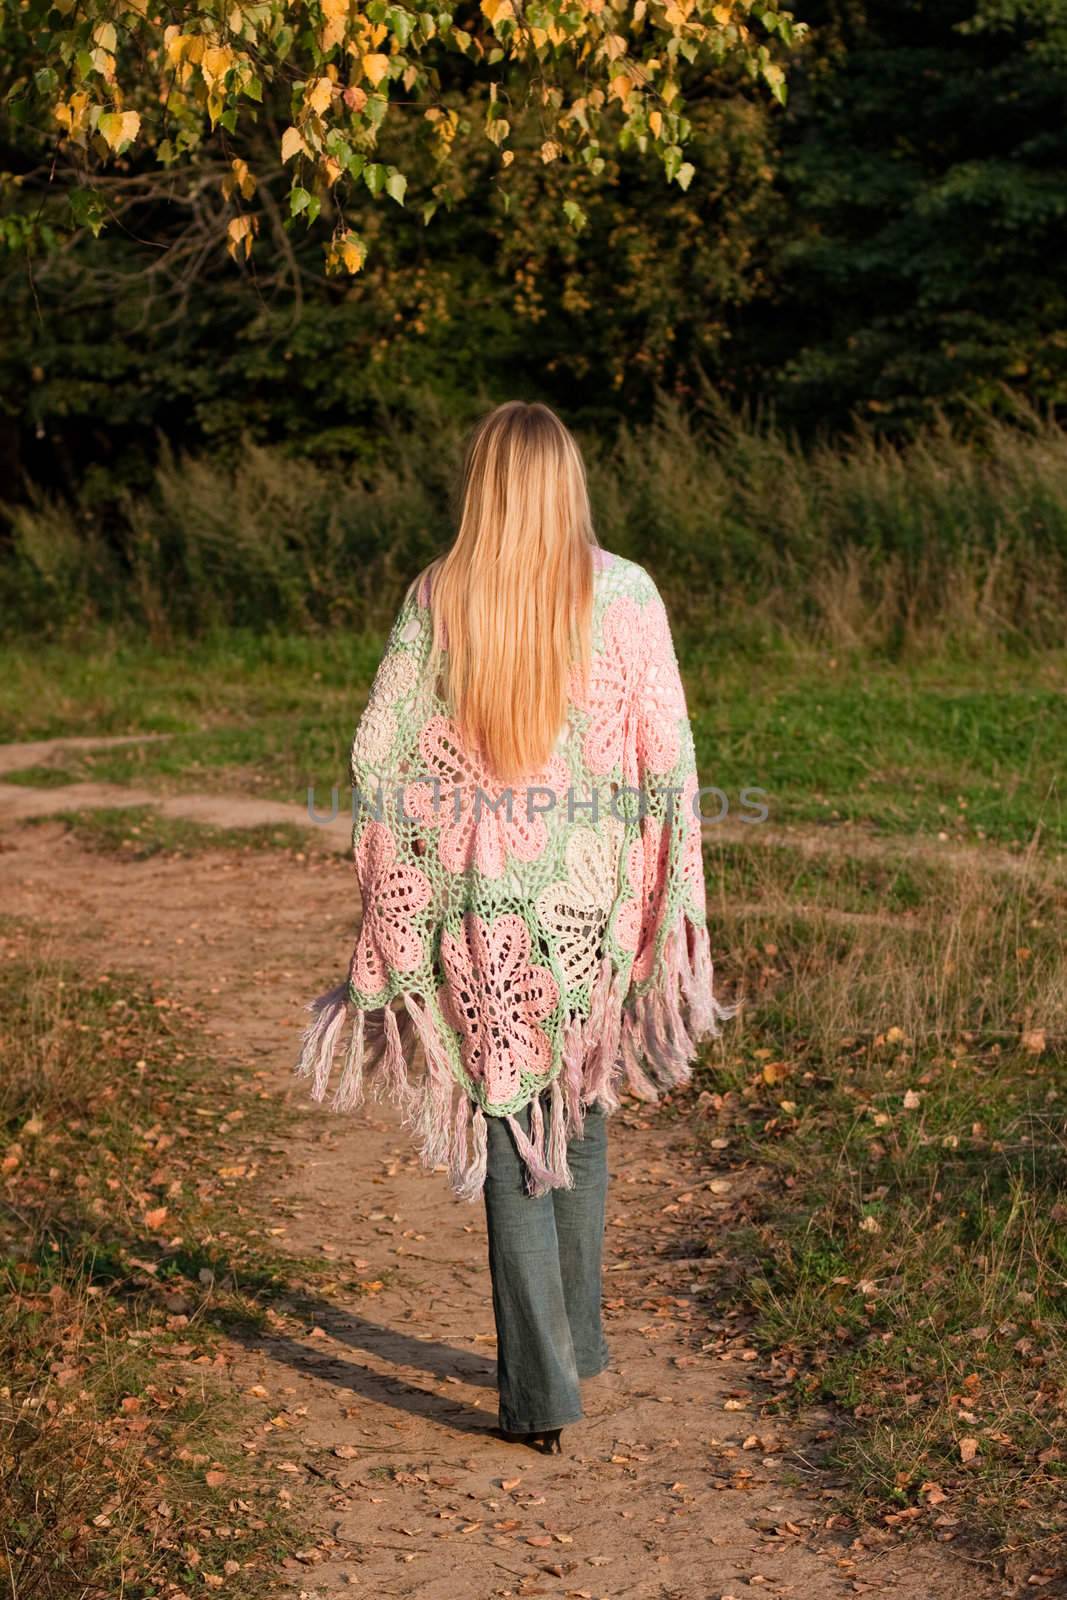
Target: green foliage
x: 889, y: 244
x: 316, y: 87
x: 922, y: 165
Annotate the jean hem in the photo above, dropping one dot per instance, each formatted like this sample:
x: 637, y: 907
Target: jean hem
x: 540, y: 1427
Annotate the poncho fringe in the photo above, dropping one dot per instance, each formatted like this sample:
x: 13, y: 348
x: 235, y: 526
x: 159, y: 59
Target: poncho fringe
x: 648, y: 1043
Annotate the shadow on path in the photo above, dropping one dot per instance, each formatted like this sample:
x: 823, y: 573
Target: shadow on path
x: 405, y: 1352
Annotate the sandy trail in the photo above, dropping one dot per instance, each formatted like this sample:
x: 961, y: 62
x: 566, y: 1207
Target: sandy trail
x: 22, y: 802
x: 665, y: 1492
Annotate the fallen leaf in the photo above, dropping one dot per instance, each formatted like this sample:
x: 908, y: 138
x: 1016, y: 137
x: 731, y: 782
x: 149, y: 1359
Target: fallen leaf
x: 968, y: 1449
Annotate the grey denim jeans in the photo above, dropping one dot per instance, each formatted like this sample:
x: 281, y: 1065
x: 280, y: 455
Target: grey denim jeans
x: 545, y: 1260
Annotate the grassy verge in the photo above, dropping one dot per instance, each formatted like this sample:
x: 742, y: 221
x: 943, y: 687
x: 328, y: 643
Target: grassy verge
x: 123, y: 1253
x: 900, y: 1092
x: 940, y: 744
x: 139, y: 832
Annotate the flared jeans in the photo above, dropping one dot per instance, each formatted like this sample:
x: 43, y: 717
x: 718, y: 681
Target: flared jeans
x: 545, y: 1262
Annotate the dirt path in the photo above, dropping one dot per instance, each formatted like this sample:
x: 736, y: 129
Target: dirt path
x: 674, y: 1487
x: 24, y: 802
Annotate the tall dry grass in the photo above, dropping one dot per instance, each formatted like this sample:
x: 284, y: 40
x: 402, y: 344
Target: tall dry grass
x: 859, y: 543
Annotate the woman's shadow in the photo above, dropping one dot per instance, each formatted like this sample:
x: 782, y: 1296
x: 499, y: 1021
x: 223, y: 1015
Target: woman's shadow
x: 402, y: 1350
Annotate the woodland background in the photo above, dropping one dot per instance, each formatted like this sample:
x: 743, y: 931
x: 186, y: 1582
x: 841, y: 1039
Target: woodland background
x: 821, y: 392
x: 886, y: 248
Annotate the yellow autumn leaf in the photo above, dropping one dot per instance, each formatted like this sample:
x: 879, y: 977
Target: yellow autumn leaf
x: 497, y: 10
x: 353, y: 256
x: 655, y: 123
x: 245, y: 180
x: 117, y: 128
x: 155, y: 1219
x: 293, y: 144
x: 336, y: 14
x: 319, y: 96
x: 550, y: 151
x: 104, y: 36
x: 239, y: 237
x: 620, y: 86
x: 375, y: 68
x: 215, y: 63
x: 347, y: 253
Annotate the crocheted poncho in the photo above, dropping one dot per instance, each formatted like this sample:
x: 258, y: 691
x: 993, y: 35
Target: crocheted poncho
x: 547, y: 935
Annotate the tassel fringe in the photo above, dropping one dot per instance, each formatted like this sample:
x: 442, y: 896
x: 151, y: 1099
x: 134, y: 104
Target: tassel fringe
x: 647, y: 1043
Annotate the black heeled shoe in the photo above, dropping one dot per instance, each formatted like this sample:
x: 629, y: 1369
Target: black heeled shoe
x: 546, y: 1440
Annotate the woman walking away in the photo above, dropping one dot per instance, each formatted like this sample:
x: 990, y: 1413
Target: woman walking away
x: 527, y: 845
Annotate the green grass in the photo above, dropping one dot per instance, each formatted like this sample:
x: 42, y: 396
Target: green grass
x: 41, y: 777
x: 938, y: 747
x: 139, y: 832
x: 899, y: 1091
x: 942, y: 744
x: 123, y: 1255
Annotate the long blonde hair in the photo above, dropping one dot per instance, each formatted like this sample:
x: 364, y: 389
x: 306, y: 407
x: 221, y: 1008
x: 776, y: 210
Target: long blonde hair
x: 512, y: 599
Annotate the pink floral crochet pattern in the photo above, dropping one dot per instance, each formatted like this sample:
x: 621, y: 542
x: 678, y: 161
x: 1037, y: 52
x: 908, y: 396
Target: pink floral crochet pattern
x: 650, y: 857
x: 393, y: 894
x: 632, y: 678
x: 473, y: 830
x: 661, y: 700
x: 495, y: 998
